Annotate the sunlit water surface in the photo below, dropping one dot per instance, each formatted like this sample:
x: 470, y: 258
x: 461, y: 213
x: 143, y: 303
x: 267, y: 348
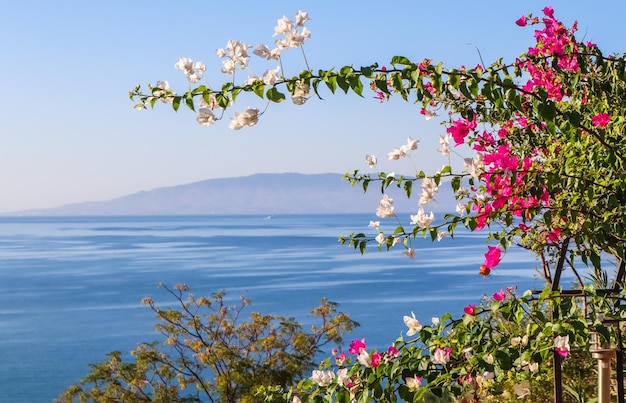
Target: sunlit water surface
x: 70, y: 288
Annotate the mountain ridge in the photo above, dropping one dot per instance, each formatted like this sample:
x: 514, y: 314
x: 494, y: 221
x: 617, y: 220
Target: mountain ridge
x: 263, y: 193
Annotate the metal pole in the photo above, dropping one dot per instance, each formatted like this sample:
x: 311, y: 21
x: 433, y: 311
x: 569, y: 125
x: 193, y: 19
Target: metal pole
x: 558, y: 386
x: 620, y: 375
x: 604, y: 357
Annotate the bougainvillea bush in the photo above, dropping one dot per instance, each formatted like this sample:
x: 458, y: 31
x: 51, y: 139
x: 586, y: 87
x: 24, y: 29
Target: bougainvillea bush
x: 546, y: 174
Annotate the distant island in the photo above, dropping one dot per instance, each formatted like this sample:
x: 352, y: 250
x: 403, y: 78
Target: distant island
x: 266, y: 193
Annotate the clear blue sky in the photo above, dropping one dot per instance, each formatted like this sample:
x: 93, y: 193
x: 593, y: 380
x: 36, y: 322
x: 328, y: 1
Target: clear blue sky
x: 69, y: 133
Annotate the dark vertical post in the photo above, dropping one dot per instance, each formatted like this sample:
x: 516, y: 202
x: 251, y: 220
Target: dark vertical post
x: 618, y: 285
x: 619, y: 366
x: 558, y: 386
x: 556, y: 358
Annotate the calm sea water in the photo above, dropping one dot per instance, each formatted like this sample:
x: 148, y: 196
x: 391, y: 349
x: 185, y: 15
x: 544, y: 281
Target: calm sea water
x: 70, y: 288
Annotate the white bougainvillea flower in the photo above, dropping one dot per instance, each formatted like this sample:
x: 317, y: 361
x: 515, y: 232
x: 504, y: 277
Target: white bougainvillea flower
x: 429, y: 188
x: 441, y: 356
x: 385, y: 207
x: 412, y: 144
x: 211, y: 103
x: 271, y: 76
x: 193, y: 72
x: 283, y: 26
x: 561, y: 345
x: 185, y: 64
x: 444, y: 142
x: 249, y: 117
x: 364, y: 358
x: 238, y: 52
x: 322, y: 378
x: 380, y: 238
x: 413, y: 383
x: 371, y: 160
x: 265, y: 52
x: 342, y: 377
x: 460, y: 209
x: 206, y: 117
x: 474, y: 165
x: 428, y: 114
x: 294, y: 38
x: 282, y: 44
x: 374, y: 224
x: 250, y: 80
x: 300, y: 93
x: 199, y: 67
x: 422, y: 219
x: 228, y: 66
x: 413, y: 324
x: 410, y: 252
x: 262, y: 51
x: 441, y: 235
x: 301, y: 18
x: 397, y: 153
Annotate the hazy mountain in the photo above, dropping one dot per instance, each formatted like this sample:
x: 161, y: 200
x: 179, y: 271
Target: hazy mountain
x: 287, y: 193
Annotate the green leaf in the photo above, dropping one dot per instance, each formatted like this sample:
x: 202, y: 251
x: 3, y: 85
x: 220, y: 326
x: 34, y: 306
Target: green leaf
x: 274, y: 95
x: 400, y: 60
x: 356, y: 84
x: 331, y: 83
x: 455, y: 183
x: 604, y: 331
x: 408, y: 188
x: 189, y: 101
x: 176, y: 102
x: 343, y: 83
x: 381, y: 84
x: 259, y: 89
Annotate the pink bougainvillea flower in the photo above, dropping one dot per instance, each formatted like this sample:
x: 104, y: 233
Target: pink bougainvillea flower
x: 492, y: 257
x: 554, y: 235
x: 521, y: 21
x: 499, y: 296
x: 460, y: 129
x: 392, y: 350
x: 548, y: 11
x: 376, y: 357
x: 441, y: 356
x: 356, y: 346
x: 561, y: 345
x: 601, y: 120
x: 470, y: 309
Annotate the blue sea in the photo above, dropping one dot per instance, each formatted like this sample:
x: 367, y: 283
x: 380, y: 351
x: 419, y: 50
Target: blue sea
x: 70, y: 287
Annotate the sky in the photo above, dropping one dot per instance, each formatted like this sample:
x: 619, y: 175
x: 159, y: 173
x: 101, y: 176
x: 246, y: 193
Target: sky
x: 70, y: 134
